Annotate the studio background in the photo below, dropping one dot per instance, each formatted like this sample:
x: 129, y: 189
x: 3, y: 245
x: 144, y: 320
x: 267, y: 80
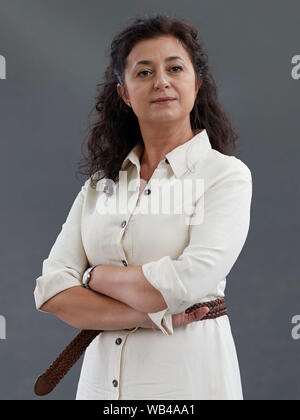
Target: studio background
x: 56, y: 52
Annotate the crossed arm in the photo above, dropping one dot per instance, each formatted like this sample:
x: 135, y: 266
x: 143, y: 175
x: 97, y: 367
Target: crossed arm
x: 128, y: 285
x: 213, y: 248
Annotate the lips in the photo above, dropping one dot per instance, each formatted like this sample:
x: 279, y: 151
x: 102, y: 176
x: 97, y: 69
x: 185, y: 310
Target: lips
x: 165, y: 99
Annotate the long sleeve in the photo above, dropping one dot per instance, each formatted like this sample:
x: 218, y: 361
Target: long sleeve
x: 214, y: 243
x: 163, y: 320
x: 67, y: 260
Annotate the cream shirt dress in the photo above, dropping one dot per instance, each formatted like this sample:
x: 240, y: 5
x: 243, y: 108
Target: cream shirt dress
x: 186, y: 227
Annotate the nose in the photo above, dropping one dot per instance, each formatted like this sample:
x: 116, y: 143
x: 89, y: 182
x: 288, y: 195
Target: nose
x: 161, y: 80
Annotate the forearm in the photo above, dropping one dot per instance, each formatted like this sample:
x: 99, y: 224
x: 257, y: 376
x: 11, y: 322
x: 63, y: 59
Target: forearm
x: 86, y: 309
x: 128, y: 285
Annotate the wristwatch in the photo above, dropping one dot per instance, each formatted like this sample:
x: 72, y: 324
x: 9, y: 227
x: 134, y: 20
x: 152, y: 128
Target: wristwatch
x: 87, y: 276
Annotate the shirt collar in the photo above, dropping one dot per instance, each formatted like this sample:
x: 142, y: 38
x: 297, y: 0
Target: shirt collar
x: 183, y: 158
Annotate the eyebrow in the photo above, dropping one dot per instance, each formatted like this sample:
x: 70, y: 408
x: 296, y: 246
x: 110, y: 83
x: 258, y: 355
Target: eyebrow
x: 174, y: 57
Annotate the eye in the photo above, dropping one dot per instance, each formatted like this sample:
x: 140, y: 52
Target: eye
x: 177, y: 67
x: 144, y: 71
x: 174, y: 67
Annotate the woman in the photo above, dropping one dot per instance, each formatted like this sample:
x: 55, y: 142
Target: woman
x: 159, y: 122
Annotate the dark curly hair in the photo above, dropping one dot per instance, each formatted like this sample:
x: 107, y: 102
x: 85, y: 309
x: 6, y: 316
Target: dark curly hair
x: 116, y: 130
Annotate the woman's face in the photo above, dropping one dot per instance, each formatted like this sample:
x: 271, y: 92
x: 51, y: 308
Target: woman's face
x: 162, y: 76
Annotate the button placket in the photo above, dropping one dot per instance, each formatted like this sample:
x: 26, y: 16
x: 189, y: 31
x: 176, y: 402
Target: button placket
x: 118, y: 341
x: 122, y: 255
x: 121, y: 360
x: 117, y: 349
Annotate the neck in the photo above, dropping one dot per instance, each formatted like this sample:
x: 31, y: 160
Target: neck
x: 155, y: 151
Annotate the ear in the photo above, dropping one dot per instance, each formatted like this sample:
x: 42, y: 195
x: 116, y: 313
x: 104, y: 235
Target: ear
x: 198, y: 85
x: 121, y: 93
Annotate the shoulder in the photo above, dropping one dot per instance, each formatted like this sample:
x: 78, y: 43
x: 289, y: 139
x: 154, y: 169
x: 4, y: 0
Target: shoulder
x: 92, y: 186
x: 219, y: 167
x: 94, y: 182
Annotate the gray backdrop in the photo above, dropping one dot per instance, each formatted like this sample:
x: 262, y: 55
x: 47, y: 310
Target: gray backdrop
x: 56, y: 53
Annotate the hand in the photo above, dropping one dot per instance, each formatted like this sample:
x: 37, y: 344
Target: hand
x: 181, y: 319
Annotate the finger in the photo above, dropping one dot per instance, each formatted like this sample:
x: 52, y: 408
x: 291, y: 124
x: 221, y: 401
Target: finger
x: 206, y: 309
x: 201, y: 312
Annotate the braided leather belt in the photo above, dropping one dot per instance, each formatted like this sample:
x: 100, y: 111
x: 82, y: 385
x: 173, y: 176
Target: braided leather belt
x: 217, y: 308
x: 46, y: 382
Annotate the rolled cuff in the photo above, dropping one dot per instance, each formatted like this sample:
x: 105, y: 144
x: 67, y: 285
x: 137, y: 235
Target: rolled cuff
x: 49, y: 285
x: 163, y: 321
x: 173, y: 291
